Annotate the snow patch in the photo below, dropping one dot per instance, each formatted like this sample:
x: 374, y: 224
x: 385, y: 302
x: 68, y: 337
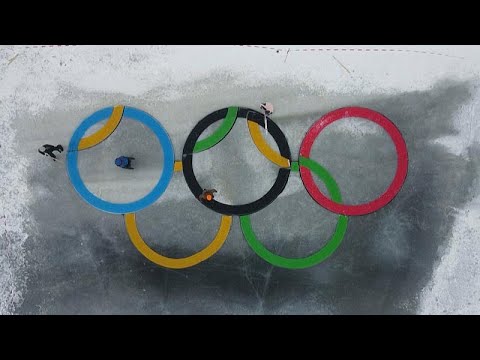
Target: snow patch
x: 455, y: 284
x: 468, y: 128
x: 455, y: 287
x: 14, y: 197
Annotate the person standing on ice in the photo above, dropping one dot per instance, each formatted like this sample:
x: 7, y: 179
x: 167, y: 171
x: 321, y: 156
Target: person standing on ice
x: 267, y: 109
x: 49, y: 149
x: 207, y: 195
x: 125, y: 162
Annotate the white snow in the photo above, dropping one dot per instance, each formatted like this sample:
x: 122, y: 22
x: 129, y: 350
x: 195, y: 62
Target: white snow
x: 31, y: 79
x: 13, y: 210
x: 468, y: 128
x: 455, y: 287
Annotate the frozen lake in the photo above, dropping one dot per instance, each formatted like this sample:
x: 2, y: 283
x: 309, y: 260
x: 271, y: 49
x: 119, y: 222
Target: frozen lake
x: 418, y: 254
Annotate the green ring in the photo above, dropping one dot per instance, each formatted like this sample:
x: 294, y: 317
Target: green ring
x: 218, y: 134
x: 320, y: 255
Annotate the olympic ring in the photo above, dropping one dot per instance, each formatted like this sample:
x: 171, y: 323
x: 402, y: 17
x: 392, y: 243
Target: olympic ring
x: 282, y: 158
x: 182, y: 263
x: 103, y: 133
x: 230, y: 115
x: 177, y: 166
x: 402, y: 161
x: 218, y: 134
x: 119, y: 208
x: 264, y: 148
x: 320, y: 255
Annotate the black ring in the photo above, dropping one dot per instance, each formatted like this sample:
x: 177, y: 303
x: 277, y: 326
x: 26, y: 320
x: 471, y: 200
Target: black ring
x: 245, y: 209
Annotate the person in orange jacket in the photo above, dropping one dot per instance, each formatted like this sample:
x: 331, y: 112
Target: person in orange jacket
x: 207, y: 195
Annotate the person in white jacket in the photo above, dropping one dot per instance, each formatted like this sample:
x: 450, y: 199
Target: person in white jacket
x: 267, y: 109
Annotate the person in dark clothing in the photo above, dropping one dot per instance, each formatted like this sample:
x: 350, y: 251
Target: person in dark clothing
x: 125, y: 162
x: 49, y: 149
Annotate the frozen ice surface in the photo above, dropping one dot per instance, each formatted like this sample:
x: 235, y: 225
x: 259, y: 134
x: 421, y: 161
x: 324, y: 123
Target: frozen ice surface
x: 419, y: 254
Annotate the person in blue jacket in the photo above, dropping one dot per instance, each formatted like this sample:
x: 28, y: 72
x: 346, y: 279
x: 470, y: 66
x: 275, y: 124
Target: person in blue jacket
x: 125, y: 162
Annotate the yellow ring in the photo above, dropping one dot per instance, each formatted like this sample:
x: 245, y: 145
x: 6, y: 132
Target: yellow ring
x: 182, y: 263
x: 264, y: 148
x: 103, y: 133
x: 178, y: 166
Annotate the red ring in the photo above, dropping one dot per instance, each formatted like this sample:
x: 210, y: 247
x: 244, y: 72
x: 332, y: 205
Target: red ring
x: 402, y: 161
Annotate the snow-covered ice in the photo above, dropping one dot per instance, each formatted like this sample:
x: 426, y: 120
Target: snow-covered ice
x: 418, y: 255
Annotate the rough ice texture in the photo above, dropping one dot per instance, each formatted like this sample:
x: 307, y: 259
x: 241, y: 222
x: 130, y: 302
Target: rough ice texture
x: 410, y: 256
x: 14, y: 197
x: 455, y: 286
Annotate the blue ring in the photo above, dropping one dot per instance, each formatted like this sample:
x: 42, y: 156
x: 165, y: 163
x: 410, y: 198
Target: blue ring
x: 123, y: 208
